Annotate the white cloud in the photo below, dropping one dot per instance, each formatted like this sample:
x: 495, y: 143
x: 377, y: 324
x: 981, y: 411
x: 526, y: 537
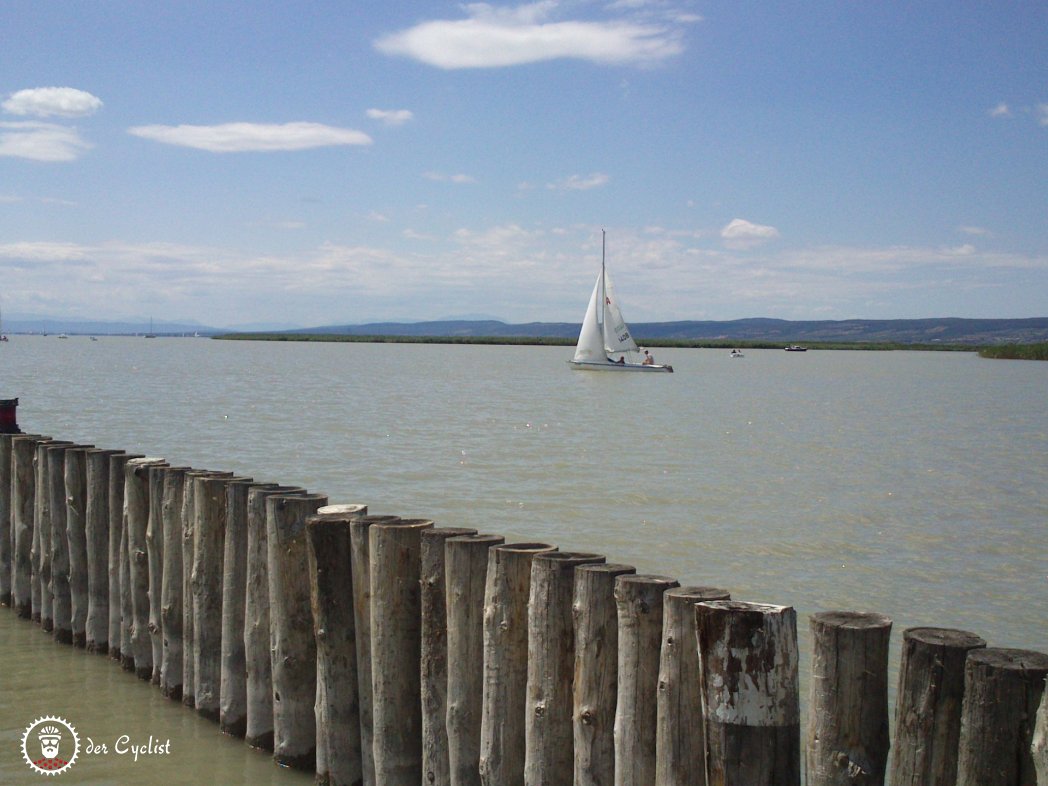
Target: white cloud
x: 42, y: 251
x: 41, y: 141
x: 579, y: 182
x: 1041, y: 111
x: 496, y: 37
x: 52, y: 102
x: 1001, y: 110
x: 740, y: 233
x: 391, y: 117
x: 439, y: 177
x: 252, y: 137
x: 973, y: 230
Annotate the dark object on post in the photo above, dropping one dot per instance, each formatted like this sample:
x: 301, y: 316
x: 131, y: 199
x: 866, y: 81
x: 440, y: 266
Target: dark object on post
x: 9, y: 416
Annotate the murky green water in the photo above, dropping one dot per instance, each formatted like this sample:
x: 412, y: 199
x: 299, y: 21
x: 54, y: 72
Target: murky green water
x: 908, y: 483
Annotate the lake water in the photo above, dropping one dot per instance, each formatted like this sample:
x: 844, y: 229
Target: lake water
x: 908, y: 483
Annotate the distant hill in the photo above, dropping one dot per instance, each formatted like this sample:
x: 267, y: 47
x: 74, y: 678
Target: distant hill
x: 902, y: 331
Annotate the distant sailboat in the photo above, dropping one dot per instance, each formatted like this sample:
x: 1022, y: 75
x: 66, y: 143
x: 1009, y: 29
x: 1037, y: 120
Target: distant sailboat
x: 604, y: 332
x: 2, y: 336
x: 150, y: 334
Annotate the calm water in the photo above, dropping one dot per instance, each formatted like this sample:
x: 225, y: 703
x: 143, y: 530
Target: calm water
x: 908, y: 483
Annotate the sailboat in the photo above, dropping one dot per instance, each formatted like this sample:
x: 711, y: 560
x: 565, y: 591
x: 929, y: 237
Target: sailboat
x: 2, y: 336
x: 604, y: 332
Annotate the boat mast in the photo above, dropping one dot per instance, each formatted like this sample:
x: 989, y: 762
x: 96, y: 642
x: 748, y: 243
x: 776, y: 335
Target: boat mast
x: 603, y: 291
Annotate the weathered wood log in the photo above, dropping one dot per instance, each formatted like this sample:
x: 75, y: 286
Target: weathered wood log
x: 548, y: 732
x: 209, y: 539
x: 396, y: 646
x: 595, y: 691
x: 23, y: 510
x: 96, y: 534
x: 257, y: 658
x: 466, y: 577
x: 136, y: 503
x: 361, y: 568
x: 331, y: 598
x: 504, y: 693
x: 1002, y: 690
x: 59, y: 594
x: 293, y: 646
x: 232, y: 712
x: 189, y: 523
x: 117, y: 547
x: 639, y: 602
x: 680, y: 731
x: 42, y: 554
x: 1039, y: 746
x: 928, y: 705
x: 76, y: 534
x: 750, y: 693
x: 434, y: 654
x: 6, y: 532
x: 172, y: 483
x: 847, y: 740
x: 155, y: 552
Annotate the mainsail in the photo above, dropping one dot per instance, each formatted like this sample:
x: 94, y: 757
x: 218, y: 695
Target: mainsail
x: 604, y: 331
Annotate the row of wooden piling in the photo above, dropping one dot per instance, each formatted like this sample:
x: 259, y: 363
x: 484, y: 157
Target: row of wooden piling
x: 385, y: 650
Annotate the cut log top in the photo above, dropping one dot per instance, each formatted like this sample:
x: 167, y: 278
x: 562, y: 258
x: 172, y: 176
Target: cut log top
x: 852, y: 620
x: 944, y: 637
x: 342, y: 509
x: 525, y: 548
x: 697, y: 594
x: 1023, y: 662
x: 565, y: 560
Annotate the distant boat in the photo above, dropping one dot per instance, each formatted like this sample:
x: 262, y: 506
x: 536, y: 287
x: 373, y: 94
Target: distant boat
x: 2, y: 336
x: 795, y: 348
x: 737, y: 353
x: 150, y: 334
x: 62, y: 335
x: 604, y: 333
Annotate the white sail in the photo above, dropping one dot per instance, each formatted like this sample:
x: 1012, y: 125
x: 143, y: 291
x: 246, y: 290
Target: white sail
x: 591, y: 337
x: 617, y: 336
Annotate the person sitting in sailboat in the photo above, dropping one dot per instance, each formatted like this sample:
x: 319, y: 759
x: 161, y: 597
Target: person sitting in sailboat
x: 649, y: 359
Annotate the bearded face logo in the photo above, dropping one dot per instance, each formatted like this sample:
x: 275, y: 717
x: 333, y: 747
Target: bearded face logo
x: 50, y: 738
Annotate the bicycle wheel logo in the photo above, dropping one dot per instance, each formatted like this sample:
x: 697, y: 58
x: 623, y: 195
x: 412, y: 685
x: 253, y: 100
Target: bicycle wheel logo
x: 50, y: 745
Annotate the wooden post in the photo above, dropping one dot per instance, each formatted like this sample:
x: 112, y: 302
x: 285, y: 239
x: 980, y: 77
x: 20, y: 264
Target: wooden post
x: 639, y: 602
x: 117, y: 547
x: 928, y: 705
x: 6, y: 532
x: 209, y: 539
x: 189, y: 525
x: 466, y: 576
x: 232, y: 713
x: 595, y: 691
x: 58, y: 594
x: 434, y: 654
x: 1039, y: 747
x: 42, y: 554
x: 680, y: 738
x: 505, y: 662
x: 396, y: 646
x: 76, y: 533
x: 1002, y: 690
x: 155, y: 548
x: 136, y: 503
x: 548, y: 733
x: 331, y: 598
x: 848, y: 705
x: 750, y: 693
x: 96, y: 534
x: 259, y: 730
x: 294, y: 649
x: 23, y: 510
x: 173, y: 480
x: 361, y: 569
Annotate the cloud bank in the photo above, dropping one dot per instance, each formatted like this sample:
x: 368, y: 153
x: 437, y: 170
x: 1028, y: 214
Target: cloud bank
x: 740, y: 233
x: 41, y: 141
x: 252, y: 137
x: 499, y: 37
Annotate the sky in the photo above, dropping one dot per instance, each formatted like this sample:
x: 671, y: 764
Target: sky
x: 320, y: 163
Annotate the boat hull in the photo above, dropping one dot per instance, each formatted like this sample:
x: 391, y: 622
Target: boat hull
x: 583, y: 365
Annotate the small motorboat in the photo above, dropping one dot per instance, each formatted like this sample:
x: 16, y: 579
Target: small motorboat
x: 795, y: 348
x: 737, y: 353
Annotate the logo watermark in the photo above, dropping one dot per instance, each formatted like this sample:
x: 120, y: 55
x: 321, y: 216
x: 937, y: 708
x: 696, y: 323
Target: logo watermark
x: 50, y: 745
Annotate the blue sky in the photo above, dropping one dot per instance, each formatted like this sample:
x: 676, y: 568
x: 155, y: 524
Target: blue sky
x: 334, y: 162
